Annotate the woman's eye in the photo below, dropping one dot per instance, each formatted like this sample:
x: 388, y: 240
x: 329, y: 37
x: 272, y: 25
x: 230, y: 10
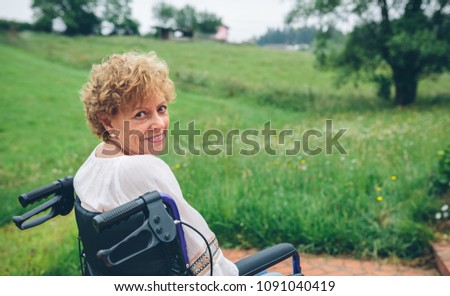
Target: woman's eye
x: 141, y: 114
x: 162, y: 109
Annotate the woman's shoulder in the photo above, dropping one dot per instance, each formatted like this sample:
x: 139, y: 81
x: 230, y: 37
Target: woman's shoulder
x: 146, y: 167
x: 143, y: 163
x: 147, y: 172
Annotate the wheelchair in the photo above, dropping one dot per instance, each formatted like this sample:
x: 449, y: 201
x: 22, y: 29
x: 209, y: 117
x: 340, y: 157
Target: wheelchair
x: 141, y: 237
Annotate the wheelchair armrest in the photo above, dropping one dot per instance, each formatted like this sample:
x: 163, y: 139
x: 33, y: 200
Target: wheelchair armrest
x: 266, y: 258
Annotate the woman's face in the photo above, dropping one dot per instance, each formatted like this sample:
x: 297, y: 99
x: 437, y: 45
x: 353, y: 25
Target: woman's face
x: 143, y: 129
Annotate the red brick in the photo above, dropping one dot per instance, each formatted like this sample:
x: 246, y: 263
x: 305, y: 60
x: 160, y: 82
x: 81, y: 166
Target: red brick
x: 313, y: 265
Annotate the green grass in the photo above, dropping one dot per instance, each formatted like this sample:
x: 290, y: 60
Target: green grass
x: 324, y: 203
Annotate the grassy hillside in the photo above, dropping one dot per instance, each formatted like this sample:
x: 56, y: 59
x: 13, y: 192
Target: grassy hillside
x: 371, y: 202
x: 286, y: 79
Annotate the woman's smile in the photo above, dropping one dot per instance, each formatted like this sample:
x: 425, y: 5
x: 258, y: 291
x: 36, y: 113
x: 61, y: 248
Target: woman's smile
x: 156, y: 139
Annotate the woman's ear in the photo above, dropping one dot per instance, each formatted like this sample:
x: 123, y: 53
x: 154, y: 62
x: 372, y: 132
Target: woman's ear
x: 105, y: 120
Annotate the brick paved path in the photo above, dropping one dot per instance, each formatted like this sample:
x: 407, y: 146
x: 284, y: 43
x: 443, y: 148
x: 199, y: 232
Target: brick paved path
x: 331, y: 266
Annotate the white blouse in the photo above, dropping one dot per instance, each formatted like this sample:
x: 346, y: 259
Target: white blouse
x: 105, y: 183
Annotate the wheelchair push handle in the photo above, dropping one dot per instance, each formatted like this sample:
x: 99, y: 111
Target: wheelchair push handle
x: 124, y: 211
x: 44, y: 191
x: 106, y: 219
x: 61, y: 203
x: 24, y: 221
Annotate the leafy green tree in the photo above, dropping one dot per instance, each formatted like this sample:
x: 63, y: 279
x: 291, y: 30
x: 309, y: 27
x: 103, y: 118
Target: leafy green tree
x: 165, y: 14
x: 44, y: 14
x: 289, y: 35
x: 78, y: 15
x: 394, y: 42
x: 186, y: 18
x: 118, y: 14
x: 208, y: 22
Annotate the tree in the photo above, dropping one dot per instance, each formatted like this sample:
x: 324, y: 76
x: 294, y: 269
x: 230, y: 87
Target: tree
x: 394, y: 42
x: 288, y: 35
x: 186, y: 18
x: 78, y: 15
x: 118, y: 14
x: 44, y: 14
x: 208, y: 22
x: 165, y: 13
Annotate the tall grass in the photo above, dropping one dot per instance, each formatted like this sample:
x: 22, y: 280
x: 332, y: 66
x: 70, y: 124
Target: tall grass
x: 367, y: 203
x: 372, y: 202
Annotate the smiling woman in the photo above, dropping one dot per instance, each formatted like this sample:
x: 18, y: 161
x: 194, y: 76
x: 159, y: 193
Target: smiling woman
x: 141, y: 130
x: 126, y: 104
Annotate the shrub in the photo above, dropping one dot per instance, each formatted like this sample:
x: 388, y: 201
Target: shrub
x: 441, y: 181
x: 6, y: 25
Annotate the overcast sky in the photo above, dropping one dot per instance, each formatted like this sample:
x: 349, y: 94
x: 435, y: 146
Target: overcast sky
x: 246, y: 18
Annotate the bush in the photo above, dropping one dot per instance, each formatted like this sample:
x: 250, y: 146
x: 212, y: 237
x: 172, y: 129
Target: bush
x: 6, y: 25
x: 441, y: 181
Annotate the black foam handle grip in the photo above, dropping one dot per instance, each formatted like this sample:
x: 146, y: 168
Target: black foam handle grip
x: 39, y: 193
x: 102, y: 221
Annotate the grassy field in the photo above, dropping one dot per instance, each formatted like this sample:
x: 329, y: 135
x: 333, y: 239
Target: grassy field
x: 371, y: 202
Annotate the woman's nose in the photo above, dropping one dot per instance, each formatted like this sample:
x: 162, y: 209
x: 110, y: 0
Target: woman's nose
x: 157, y: 122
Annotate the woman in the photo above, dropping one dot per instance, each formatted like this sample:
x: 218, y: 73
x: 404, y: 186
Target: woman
x: 126, y: 104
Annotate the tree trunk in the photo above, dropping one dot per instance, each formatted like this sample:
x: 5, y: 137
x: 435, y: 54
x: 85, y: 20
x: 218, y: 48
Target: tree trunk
x: 405, y: 87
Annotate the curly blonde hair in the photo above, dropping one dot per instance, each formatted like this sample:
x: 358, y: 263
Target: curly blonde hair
x: 121, y: 82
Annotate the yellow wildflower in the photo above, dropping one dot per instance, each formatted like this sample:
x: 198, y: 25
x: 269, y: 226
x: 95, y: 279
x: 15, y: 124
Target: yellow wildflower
x: 177, y: 166
x: 393, y: 178
x: 379, y: 198
x: 378, y: 188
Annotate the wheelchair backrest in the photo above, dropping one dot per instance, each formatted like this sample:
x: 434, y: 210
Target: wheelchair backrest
x: 94, y: 242
x: 133, y: 245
